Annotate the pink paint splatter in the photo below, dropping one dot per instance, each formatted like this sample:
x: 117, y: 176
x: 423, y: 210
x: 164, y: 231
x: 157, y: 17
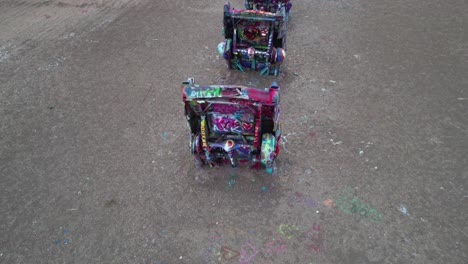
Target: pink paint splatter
x: 244, y: 259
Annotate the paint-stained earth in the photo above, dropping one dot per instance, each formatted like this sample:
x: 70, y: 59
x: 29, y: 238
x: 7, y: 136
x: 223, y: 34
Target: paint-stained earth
x: 94, y: 159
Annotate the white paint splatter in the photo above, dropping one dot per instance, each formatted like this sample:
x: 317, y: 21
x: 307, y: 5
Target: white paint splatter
x: 284, y: 140
x: 4, y: 54
x: 335, y: 143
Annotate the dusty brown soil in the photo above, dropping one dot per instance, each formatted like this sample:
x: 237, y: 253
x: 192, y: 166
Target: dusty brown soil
x: 93, y: 146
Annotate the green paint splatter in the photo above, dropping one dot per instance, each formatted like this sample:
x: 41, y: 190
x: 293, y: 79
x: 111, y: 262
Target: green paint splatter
x: 231, y: 182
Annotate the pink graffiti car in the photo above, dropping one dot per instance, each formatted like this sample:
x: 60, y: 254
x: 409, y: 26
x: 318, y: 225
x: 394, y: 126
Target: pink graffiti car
x: 232, y: 124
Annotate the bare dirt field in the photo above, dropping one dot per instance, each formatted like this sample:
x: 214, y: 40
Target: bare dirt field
x: 94, y: 162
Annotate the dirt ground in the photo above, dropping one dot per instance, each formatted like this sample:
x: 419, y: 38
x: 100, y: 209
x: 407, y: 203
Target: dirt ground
x: 94, y: 159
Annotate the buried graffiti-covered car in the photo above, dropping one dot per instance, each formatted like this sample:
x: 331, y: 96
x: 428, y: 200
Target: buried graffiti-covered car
x: 232, y: 124
x: 254, y: 39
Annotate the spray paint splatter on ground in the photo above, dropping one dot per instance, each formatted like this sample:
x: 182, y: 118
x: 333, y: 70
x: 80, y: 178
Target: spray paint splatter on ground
x: 328, y: 202
x: 230, y: 182
x: 403, y: 210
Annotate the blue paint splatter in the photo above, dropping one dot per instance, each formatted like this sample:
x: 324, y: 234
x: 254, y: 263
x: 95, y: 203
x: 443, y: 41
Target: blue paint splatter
x: 57, y: 242
x: 164, y: 134
x: 403, y: 210
x: 264, y: 188
x: 65, y: 230
x: 66, y: 241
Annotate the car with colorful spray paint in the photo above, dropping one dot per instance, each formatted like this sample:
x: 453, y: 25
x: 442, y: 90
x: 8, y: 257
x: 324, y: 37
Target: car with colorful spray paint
x: 254, y: 39
x: 232, y: 124
x: 269, y: 5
